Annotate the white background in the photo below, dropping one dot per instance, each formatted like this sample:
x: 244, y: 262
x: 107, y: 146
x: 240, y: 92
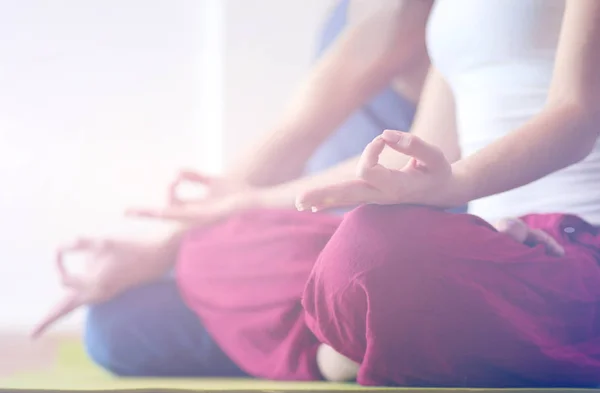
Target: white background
x: 100, y: 101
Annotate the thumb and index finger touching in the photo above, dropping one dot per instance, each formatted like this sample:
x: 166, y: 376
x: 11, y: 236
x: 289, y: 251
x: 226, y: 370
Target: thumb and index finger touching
x: 74, y: 298
x: 176, y: 209
x: 372, y: 175
x: 183, y: 176
x: 421, y: 155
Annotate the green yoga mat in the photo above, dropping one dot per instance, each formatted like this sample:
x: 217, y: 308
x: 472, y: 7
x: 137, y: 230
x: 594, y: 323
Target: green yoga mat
x: 72, y: 380
x: 74, y: 372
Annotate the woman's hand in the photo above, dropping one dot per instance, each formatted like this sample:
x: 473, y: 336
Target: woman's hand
x: 426, y: 179
x: 222, y: 199
x: 520, y: 231
x: 112, y: 266
x: 213, y: 186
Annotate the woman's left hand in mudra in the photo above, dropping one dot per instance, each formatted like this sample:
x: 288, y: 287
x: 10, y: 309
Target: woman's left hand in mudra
x: 426, y: 179
x: 223, y: 199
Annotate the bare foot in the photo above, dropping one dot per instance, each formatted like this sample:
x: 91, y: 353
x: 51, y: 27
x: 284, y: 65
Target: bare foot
x: 335, y: 367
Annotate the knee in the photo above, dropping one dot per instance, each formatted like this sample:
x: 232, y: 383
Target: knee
x: 107, y: 340
x: 119, y: 331
x: 377, y: 251
x: 383, y: 237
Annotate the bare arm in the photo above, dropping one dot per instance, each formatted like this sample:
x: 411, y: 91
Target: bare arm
x: 435, y: 123
x: 363, y: 61
x: 566, y: 129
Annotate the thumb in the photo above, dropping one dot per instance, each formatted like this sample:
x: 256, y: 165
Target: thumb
x: 429, y: 155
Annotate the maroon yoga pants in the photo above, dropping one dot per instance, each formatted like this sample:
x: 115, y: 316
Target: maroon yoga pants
x: 244, y: 278
x: 418, y: 296
x: 422, y: 297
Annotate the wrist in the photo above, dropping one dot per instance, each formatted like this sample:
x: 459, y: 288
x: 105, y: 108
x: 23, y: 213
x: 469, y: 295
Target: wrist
x: 459, y: 191
x: 278, y: 197
x: 252, y: 198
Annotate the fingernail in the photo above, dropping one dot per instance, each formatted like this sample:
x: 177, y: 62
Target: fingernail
x: 391, y: 136
x: 396, y: 137
x: 314, y: 209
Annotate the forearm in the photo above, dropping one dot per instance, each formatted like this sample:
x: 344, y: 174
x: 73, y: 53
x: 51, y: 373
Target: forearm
x: 567, y: 128
x: 434, y: 123
x: 553, y: 140
x: 163, y: 237
x: 283, y: 196
x: 329, y: 96
x: 362, y: 62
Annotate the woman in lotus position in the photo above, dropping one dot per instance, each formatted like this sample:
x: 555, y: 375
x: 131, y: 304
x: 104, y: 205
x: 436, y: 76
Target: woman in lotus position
x: 412, y: 294
x: 244, y: 315
x: 422, y: 297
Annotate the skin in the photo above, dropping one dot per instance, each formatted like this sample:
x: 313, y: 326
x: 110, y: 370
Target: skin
x: 425, y: 171
x: 386, y: 47
x: 429, y: 161
x: 425, y: 166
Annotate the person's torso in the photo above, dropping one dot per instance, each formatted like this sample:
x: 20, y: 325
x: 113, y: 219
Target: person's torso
x: 498, y: 57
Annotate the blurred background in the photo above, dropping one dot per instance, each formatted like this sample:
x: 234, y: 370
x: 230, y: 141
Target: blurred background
x: 102, y: 100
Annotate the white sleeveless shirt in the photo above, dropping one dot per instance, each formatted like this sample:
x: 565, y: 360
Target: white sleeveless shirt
x: 498, y: 57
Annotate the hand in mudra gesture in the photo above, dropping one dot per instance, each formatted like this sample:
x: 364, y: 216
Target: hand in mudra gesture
x: 425, y: 179
x: 222, y: 198
x: 112, y: 265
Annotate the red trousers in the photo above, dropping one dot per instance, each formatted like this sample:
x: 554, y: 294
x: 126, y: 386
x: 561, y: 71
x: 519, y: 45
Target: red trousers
x: 421, y: 297
x: 418, y: 296
x: 244, y: 278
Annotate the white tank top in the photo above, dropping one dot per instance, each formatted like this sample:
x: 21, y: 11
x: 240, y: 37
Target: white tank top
x: 498, y: 57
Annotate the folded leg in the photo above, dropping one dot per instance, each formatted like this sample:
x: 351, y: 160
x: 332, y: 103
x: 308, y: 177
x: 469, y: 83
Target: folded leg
x: 245, y: 277
x: 150, y: 332
x: 423, y: 297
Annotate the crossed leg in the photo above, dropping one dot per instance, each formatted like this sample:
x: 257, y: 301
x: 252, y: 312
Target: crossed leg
x: 421, y: 297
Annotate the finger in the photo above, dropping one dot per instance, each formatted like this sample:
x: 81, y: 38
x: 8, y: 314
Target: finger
x: 80, y: 244
x: 194, y: 177
x: 351, y: 193
x: 170, y: 213
x: 369, y: 170
x: 514, y: 228
x: 172, y: 196
x: 370, y: 155
x: 553, y: 247
x: 183, y: 176
x: 67, y: 305
x: 428, y: 155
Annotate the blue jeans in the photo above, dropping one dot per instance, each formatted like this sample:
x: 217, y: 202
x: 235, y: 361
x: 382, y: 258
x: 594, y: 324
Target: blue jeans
x: 149, y: 331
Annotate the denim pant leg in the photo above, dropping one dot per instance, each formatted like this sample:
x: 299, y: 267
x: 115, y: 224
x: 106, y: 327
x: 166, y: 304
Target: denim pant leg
x: 150, y: 332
